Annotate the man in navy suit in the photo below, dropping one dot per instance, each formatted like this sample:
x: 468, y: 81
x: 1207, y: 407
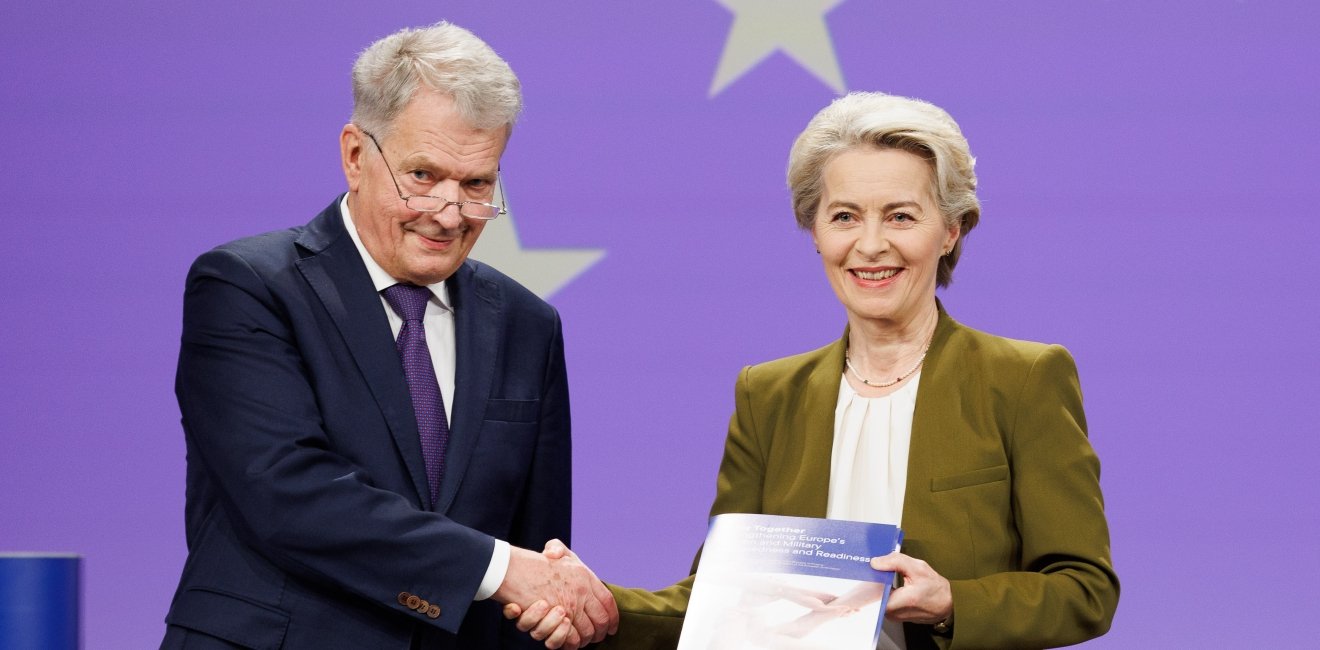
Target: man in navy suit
x: 313, y: 518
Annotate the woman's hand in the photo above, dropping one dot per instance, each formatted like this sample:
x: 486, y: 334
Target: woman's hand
x: 924, y: 597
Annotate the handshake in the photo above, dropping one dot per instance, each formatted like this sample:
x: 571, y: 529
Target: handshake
x: 556, y: 598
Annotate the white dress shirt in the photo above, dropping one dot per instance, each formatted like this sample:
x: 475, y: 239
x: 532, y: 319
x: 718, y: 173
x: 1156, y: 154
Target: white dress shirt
x: 438, y: 323
x: 868, y: 465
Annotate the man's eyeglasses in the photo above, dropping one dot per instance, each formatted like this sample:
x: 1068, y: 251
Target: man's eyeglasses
x: 426, y: 203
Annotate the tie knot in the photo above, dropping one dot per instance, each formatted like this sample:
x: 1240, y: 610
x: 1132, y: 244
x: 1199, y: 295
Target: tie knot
x: 408, y: 300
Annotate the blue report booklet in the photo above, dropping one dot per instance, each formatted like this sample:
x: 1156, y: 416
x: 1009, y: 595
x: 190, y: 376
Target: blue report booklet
x: 789, y: 583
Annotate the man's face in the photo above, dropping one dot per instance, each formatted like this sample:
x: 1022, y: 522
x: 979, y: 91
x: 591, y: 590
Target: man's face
x: 431, y: 150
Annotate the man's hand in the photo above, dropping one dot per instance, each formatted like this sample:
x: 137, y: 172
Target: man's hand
x: 556, y: 598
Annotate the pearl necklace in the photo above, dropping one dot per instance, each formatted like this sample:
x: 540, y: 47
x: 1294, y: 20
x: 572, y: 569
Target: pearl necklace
x: 848, y: 362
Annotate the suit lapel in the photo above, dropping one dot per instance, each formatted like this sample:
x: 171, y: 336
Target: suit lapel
x: 478, y: 328
x: 334, y: 270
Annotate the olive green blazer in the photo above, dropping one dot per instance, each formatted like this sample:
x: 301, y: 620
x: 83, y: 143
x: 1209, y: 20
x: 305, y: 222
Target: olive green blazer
x: 1003, y: 489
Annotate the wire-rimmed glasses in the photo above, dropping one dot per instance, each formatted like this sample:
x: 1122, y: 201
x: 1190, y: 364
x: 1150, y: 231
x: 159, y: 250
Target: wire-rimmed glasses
x: 427, y: 203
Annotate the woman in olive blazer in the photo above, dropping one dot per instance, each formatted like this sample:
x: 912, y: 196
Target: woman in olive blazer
x: 974, y: 444
x: 1003, y: 495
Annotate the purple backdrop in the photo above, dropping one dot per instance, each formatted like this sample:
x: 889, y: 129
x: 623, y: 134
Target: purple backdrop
x: 1144, y: 172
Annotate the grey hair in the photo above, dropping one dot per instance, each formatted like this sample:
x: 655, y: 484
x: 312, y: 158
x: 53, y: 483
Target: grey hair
x: 889, y: 122
x: 442, y: 57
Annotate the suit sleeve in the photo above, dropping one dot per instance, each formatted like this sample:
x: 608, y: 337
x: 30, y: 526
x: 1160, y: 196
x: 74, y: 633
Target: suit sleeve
x: 1066, y: 591
x: 252, y: 423
x: 652, y: 620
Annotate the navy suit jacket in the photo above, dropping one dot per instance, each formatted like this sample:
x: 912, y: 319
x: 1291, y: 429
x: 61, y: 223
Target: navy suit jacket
x: 307, y: 517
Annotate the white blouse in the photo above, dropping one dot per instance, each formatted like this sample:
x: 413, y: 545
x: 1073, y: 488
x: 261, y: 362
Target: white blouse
x: 868, y: 465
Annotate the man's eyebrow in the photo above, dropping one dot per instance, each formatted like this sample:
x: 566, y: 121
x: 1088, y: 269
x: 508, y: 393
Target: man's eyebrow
x: 419, y: 160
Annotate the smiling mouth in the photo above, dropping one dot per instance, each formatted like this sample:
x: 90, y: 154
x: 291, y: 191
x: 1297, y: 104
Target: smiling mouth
x: 876, y: 275
x: 439, y: 242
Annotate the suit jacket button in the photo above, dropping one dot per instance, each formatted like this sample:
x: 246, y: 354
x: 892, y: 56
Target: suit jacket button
x: 412, y: 601
x: 403, y: 598
x: 433, y: 611
x: 422, y: 606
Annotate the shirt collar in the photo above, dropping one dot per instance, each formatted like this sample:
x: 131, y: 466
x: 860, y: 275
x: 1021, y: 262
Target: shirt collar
x: 379, y: 277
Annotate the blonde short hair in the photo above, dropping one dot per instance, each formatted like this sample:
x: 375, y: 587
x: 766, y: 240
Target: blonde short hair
x: 889, y: 122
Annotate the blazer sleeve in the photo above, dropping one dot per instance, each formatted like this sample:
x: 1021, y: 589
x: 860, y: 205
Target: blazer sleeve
x: 652, y: 620
x: 252, y: 423
x: 1066, y: 591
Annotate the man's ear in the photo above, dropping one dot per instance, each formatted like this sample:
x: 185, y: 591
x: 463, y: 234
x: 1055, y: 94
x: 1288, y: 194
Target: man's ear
x: 351, y: 143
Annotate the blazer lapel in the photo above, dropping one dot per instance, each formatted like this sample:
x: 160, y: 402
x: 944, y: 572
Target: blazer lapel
x: 334, y: 270
x: 820, y: 397
x: 478, y: 328
x: 931, y: 435
x: 933, y: 430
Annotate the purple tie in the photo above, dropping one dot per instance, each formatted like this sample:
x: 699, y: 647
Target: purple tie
x: 409, y: 302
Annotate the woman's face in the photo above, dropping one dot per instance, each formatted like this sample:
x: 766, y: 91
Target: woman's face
x: 880, y: 234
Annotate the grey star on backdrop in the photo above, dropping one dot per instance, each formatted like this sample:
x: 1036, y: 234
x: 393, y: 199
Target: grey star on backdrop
x: 543, y: 271
x: 762, y: 27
